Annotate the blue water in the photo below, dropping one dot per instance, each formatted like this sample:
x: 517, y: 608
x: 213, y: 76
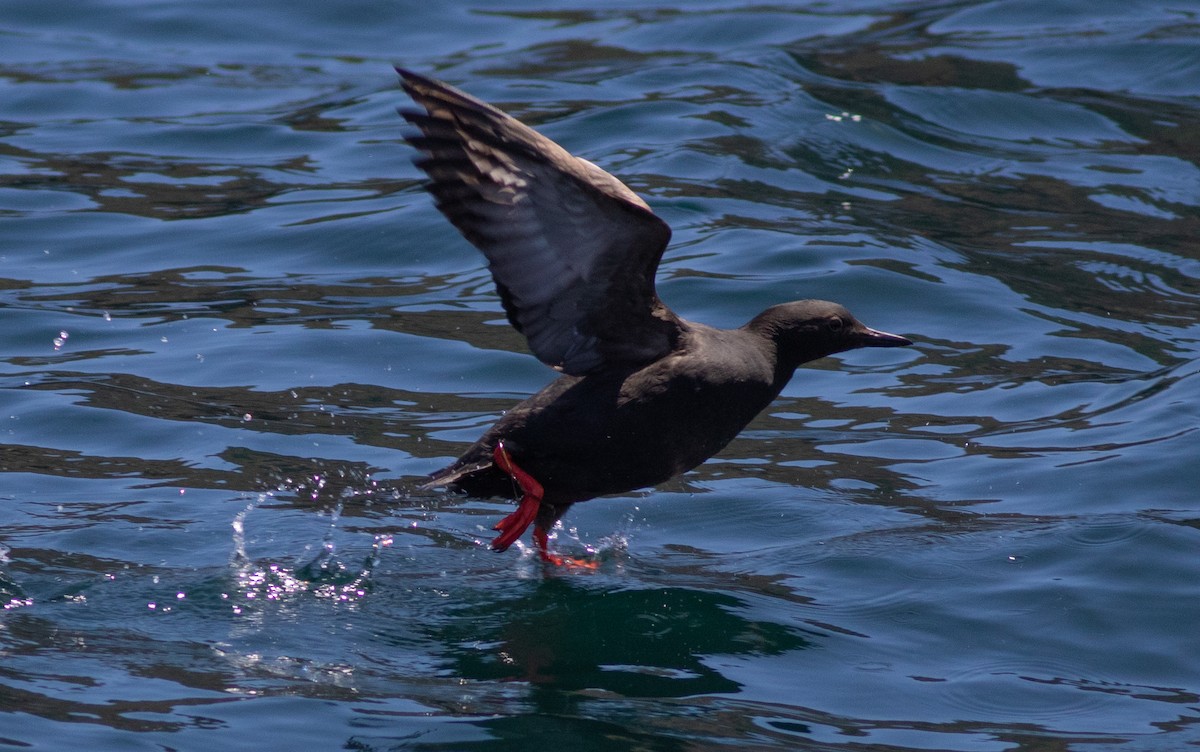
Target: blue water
x: 235, y: 333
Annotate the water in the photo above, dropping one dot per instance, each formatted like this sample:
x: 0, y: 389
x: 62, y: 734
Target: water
x: 236, y: 332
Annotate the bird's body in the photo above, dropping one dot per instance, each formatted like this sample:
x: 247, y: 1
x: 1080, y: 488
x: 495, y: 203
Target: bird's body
x: 646, y: 395
x: 588, y: 436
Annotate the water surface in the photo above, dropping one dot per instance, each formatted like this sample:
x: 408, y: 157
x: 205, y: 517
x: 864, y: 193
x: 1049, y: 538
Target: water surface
x: 236, y: 333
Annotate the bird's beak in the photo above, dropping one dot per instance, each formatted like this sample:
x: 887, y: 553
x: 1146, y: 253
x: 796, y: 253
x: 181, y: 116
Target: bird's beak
x: 876, y: 338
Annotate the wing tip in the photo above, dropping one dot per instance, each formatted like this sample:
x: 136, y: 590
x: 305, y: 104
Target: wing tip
x: 407, y: 74
x: 415, y: 84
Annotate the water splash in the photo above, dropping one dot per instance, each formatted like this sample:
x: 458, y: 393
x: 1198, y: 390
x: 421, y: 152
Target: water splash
x: 608, y: 554
x: 12, y: 596
x: 326, y: 576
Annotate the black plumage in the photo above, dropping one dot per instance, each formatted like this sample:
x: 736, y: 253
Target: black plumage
x: 644, y: 395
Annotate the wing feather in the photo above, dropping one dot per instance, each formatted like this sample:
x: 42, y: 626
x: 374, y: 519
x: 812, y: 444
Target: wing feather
x: 573, y: 250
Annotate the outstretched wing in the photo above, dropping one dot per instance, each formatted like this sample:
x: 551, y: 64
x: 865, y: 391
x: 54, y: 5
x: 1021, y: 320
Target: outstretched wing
x: 573, y: 250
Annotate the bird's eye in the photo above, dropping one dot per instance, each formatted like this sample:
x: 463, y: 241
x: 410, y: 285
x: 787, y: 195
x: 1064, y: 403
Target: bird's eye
x: 835, y: 324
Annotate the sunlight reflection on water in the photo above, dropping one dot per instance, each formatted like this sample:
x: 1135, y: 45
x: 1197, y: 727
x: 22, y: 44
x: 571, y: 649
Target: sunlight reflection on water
x: 237, y: 332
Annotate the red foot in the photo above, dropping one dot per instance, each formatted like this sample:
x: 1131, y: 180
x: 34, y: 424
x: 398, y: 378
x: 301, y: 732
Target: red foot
x: 541, y: 538
x: 515, y: 524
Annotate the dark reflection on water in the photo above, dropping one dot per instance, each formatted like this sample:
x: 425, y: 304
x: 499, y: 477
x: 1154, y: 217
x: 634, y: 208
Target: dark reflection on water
x: 236, y: 333
x: 636, y: 643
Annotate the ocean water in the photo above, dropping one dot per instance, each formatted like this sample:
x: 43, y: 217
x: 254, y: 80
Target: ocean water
x: 235, y: 333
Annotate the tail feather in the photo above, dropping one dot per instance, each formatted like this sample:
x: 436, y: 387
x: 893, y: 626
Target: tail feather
x: 452, y: 474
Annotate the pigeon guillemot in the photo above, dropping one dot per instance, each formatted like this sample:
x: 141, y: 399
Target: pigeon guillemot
x: 645, y: 395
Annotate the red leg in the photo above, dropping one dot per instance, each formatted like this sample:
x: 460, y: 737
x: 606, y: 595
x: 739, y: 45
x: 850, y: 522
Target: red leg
x: 542, y: 539
x: 515, y: 524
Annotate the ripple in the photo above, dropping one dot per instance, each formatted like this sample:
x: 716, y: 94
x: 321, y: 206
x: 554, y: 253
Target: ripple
x: 1025, y: 689
x: 1106, y: 530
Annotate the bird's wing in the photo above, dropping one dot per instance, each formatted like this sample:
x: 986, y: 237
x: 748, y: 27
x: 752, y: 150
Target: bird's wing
x: 573, y: 250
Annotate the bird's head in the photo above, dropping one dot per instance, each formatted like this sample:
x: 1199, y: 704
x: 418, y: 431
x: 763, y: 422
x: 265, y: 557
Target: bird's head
x: 805, y: 330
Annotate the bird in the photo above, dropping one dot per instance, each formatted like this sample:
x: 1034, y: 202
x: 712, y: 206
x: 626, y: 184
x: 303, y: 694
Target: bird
x: 643, y: 394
